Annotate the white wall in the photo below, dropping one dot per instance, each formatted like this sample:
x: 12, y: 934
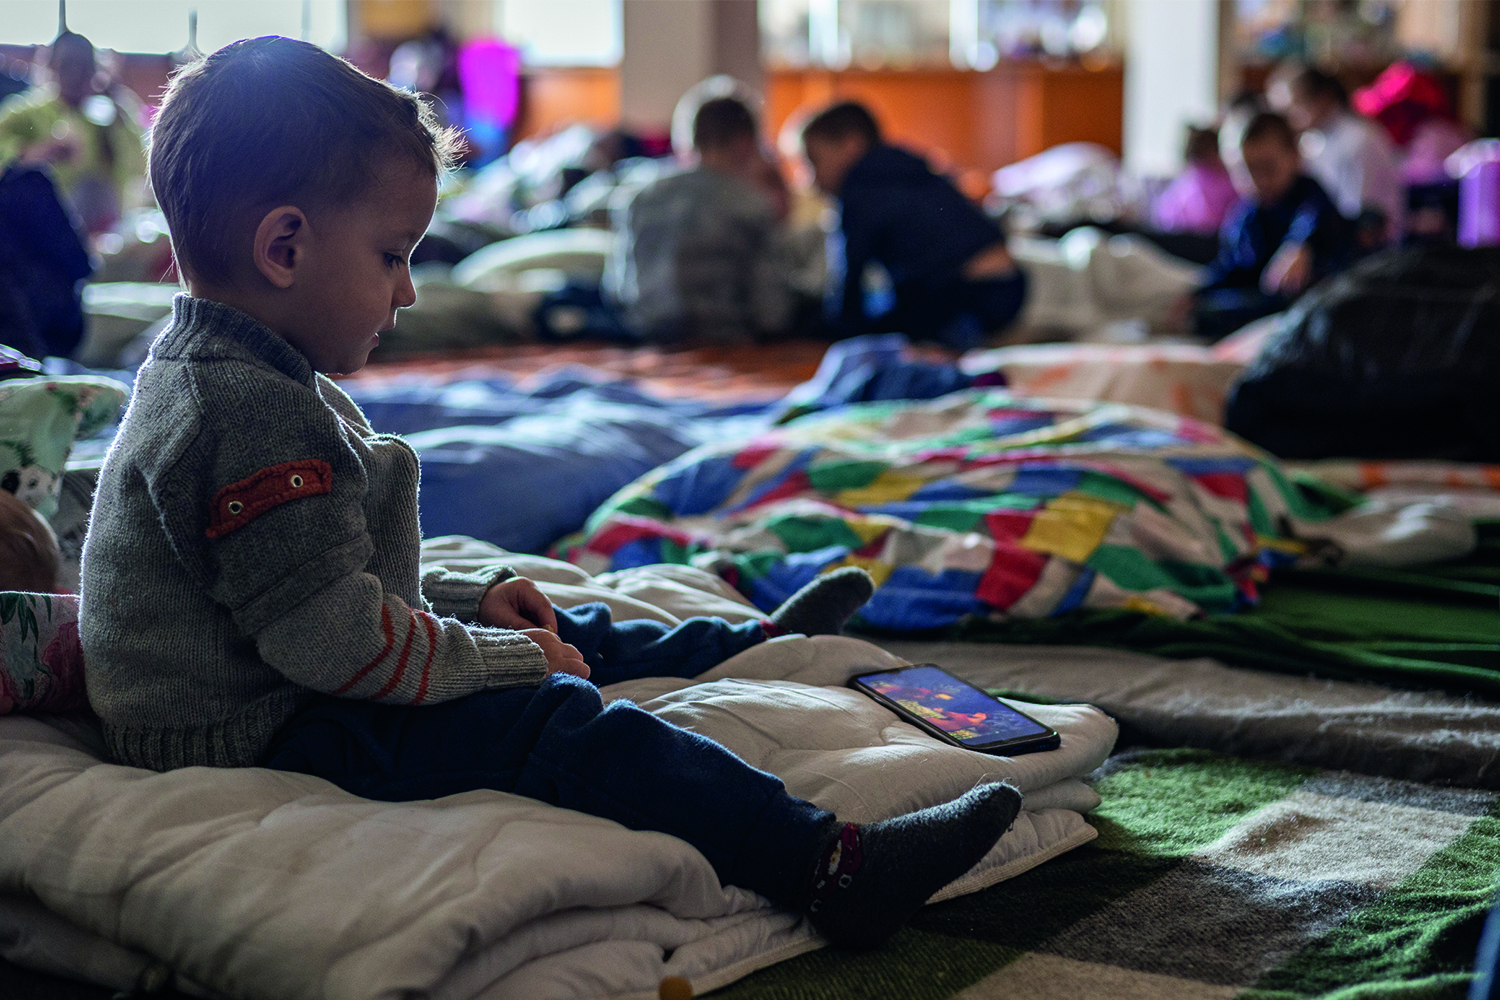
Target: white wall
x: 669, y: 46
x: 1171, y: 79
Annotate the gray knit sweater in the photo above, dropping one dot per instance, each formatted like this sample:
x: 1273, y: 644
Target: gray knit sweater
x: 253, y: 541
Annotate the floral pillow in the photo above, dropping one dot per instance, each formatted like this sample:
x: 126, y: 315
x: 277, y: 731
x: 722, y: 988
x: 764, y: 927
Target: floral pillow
x: 41, y: 659
x: 39, y: 418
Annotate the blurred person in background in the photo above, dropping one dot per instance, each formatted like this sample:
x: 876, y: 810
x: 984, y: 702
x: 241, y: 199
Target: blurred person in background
x: 1284, y: 236
x: 82, y: 130
x: 1199, y: 198
x: 951, y: 278
x: 1350, y: 155
x: 697, y: 255
x: 1414, y: 109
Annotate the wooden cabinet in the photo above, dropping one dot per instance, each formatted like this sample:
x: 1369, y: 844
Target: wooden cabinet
x: 971, y: 121
x: 968, y: 122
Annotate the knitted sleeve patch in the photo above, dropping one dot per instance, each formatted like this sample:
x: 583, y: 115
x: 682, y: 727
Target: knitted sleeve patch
x: 237, y: 504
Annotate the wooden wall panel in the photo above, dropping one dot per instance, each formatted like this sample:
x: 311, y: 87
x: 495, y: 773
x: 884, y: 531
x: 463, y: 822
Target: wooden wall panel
x: 930, y: 110
x: 555, y: 98
x: 1080, y: 105
x: 971, y: 122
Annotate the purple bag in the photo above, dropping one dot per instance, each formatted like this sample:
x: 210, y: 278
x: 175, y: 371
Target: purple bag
x: 1479, y: 202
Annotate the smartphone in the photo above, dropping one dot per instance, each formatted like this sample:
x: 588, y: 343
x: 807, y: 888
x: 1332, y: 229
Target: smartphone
x: 955, y: 712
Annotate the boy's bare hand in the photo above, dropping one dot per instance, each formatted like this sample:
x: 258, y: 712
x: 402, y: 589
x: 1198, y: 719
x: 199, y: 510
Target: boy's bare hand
x: 517, y: 604
x: 561, y: 657
x: 1288, y: 272
x: 1179, y: 318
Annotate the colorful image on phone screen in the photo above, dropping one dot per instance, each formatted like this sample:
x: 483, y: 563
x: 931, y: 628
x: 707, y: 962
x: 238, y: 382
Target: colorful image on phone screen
x: 963, y: 712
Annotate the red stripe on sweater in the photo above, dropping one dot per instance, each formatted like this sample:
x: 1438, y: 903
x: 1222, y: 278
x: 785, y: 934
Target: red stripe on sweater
x: 431, y: 648
x: 390, y: 640
x: 390, y: 685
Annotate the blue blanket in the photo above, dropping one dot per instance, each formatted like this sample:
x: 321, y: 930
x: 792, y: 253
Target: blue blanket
x: 523, y: 467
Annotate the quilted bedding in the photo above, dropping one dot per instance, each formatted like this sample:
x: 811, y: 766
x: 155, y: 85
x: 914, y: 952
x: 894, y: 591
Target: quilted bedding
x: 978, y: 503
x: 256, y: 884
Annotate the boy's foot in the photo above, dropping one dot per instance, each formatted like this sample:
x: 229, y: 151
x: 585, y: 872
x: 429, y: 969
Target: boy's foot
x: 872, y: 877
x: 824, y: 605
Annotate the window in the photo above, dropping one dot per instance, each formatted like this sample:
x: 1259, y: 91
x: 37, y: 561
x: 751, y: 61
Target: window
x: 970, y: 34
x: 562, y: 32
x: 162, y: 25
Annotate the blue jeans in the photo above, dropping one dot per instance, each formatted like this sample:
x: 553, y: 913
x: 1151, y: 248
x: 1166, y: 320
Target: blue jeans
x: 629, y: 650
x: 558, y: 743
x: 1218, y: 312
x: 957, y: 314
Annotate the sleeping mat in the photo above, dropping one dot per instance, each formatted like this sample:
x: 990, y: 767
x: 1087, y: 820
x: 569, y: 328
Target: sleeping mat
x: 262, y: 885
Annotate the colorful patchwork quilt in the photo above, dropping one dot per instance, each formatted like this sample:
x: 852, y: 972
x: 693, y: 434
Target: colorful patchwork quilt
x: 978, y: 503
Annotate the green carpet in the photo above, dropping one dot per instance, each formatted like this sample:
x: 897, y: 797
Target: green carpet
x: 1212, y: 876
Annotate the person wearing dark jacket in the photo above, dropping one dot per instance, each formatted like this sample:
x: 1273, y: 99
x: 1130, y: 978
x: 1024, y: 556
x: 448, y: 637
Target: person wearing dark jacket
x: 951, y: 278
x: 43, y: 265
x: 1282, y: 239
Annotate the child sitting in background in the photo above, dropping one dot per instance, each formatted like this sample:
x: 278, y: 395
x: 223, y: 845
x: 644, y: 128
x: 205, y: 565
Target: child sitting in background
x: 29, y: 556
x: 251, y: 592
x: 697, y: 256
x: 1285, y: 236
x: 952, y: 278
x: 1199, y: 198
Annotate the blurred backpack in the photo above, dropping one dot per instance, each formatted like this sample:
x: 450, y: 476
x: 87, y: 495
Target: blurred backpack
x: 1398, y: 357
x: 43, y: 265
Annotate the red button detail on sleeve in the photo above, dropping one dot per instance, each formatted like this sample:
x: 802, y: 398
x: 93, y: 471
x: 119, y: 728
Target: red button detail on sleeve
x: 237, y: 504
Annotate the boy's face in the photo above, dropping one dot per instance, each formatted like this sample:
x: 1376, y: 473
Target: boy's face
x: 356, y: 270
x: 832, y: 159
x: 1272, y: 167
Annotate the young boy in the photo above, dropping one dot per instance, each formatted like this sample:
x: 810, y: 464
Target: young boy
x: 953, y: 280
x: 697, y: 256
x: 251, y: 592
x: 1283, y: 237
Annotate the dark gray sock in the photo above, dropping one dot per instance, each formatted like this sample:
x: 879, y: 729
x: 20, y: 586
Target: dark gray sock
x: 872, y: 877
x: 823, y: 606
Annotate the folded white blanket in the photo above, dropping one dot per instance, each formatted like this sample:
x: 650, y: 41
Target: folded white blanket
x: 254, y: 883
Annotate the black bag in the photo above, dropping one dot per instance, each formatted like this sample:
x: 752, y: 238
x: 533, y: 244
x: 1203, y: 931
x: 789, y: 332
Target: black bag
x: 1398, y: 357
x: 43, y: 265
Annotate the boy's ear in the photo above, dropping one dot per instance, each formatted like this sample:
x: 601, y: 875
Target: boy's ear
x: 280, y: 241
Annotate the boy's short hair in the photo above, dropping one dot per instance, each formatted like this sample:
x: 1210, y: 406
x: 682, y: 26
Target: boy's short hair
x: 29, y: 555
x: 1201, y: 144
x: 722, y: 121
x: 1314, y: 83
x: 270, y: 121
x: 840, y: 121
x: 1269, y: 125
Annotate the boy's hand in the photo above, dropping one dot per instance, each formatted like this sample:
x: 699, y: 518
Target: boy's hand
x: 517, y: 604
x: 1288, y: 272
x: 561, y: 658
x: 1179, y: 318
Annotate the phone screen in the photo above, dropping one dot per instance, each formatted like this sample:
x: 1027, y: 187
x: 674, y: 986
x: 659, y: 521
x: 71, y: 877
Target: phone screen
x: 946, y: 703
